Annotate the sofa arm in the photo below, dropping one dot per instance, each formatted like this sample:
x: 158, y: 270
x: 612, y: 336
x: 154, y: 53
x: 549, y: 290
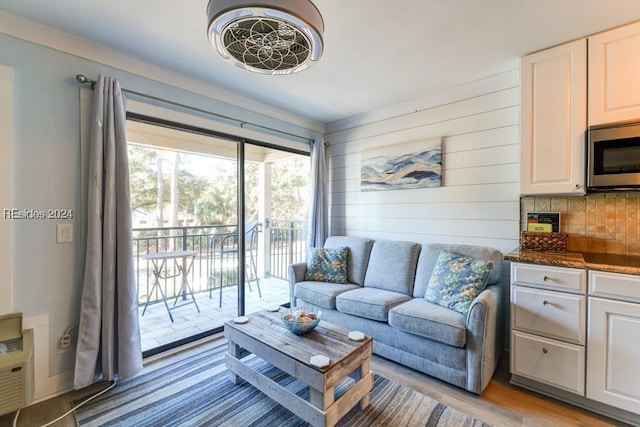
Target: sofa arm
x: 485, y: 335
x: 296, y: 274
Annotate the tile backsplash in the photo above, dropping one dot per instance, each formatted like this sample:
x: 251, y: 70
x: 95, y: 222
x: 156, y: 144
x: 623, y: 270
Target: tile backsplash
x: 597, y: 222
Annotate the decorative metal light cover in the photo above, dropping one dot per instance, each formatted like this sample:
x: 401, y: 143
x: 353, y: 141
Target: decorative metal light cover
x: 268, y: 36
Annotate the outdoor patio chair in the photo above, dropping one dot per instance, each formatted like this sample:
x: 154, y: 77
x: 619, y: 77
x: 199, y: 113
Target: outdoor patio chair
x: 223, y: 254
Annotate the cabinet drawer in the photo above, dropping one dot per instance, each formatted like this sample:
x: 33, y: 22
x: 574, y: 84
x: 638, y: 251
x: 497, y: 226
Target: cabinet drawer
x: 548, y: 361
x: 614, y: 285
x: 552, y: 314
x: 554, y: 278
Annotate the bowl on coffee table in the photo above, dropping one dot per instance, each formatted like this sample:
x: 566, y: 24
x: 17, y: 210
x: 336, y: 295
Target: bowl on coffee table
x: 300, y: 320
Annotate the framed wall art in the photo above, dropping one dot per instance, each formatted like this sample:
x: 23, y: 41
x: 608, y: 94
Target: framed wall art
x: 416, y: 164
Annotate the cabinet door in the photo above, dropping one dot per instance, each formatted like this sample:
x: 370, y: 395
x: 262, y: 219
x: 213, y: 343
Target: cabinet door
x: 613, y: 353
x: 554, y: 120
x: 614, y: 75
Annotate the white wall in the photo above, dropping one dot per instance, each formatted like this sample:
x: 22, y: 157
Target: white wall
x: 478, y: 203
x: 6, y: 178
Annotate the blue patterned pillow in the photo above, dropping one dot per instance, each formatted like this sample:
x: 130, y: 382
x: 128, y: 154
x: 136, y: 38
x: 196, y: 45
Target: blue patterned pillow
x: 456, y: 280
x: 327, y: 265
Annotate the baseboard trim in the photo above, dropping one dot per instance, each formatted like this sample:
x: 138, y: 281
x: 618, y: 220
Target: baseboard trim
x: 53, y: 386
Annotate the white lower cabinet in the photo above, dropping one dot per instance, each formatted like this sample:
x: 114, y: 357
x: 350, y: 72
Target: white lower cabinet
x: 548, y: 323
x: 614, y: 344
x: 577, y: 344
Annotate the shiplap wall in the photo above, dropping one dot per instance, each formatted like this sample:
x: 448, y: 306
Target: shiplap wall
x: 478, y: 203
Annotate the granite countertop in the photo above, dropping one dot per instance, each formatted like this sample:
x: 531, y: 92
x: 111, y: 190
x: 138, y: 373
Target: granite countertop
x: 614, y: 263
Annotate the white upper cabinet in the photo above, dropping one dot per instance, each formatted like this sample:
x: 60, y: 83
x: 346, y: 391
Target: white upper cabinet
x: 614, y: 75
x: 554, y: 120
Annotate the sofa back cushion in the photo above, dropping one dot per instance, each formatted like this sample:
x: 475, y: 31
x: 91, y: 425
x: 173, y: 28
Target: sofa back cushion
x: 392, y: 266
x: 357, y: 257
x: 429, y: 257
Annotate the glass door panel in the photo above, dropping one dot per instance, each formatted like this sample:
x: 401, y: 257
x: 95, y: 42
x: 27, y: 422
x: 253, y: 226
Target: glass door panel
x: 184, y: 196
x: 276, y: 210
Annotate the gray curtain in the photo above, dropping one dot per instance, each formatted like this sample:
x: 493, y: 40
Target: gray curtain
x: 108, y: 335
x: 318, y: 211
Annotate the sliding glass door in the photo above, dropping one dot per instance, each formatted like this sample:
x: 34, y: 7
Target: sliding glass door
x: 215, y: 220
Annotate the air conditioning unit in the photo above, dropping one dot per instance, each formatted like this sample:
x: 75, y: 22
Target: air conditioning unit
x: 16, y: 364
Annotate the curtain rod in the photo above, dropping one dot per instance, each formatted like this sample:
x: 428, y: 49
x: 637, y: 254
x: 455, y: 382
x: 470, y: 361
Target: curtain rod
x: 82, y: 79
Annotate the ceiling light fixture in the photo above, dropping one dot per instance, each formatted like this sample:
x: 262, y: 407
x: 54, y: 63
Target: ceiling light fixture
x: 266, y: 36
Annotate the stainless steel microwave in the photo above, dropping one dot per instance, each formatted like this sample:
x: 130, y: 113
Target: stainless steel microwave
x: 613, y: 157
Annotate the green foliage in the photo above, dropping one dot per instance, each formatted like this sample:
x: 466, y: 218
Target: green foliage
x: 142, y: 178
x: 218, y: 204
x: 291, y: 189
x: 210, y: 197
x: 191, y: 188
x: 143, y: 170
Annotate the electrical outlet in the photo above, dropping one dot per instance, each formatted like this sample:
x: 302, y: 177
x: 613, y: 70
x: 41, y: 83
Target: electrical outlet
x: 64, y: 343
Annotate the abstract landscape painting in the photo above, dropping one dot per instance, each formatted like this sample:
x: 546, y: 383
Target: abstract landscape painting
x: 411, y: 165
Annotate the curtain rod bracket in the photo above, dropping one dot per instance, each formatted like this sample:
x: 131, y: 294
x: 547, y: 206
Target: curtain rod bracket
x: 326, y: 144
x: 82, y: 79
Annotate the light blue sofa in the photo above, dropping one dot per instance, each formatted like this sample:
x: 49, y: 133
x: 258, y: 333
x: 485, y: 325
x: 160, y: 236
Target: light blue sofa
x: 385, y: 299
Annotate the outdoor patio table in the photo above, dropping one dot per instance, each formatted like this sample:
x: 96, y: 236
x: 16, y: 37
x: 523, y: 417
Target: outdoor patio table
x: 183, y: 268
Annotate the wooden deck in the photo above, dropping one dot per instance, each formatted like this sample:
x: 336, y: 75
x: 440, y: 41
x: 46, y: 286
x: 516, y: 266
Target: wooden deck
x: 156, y: 328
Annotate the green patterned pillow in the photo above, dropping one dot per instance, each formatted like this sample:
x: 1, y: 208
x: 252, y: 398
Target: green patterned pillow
x: 456, y: 280
x: 327, y: 265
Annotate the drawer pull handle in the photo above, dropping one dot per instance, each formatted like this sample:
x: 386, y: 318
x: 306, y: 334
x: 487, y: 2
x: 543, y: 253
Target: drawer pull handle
x: 544, y: 350
x: 545, y: 302
x: 545, y: 278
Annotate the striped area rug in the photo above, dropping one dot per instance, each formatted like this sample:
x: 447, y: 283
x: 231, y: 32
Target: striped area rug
x: 192, y: 388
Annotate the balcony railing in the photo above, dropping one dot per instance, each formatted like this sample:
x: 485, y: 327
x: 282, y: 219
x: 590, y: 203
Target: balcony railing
x: 288, y: 244
x: 283, y: 242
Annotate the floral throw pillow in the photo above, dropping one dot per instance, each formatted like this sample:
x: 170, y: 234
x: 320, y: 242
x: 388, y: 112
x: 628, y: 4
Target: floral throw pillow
x: 327, y: 265
x: 456, y: 280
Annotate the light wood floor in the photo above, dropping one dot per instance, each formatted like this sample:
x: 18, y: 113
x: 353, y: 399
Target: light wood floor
x: 501, y: 404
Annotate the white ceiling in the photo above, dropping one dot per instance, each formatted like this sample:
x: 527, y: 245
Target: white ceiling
x: 377, y: 52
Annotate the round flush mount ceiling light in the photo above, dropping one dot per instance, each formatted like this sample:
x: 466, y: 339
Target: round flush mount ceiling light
x: 267, y: 36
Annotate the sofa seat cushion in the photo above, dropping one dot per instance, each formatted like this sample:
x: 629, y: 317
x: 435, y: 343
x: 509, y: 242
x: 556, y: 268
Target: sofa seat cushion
x: 370, y: 303
x: 322, y: 294
x: 420, y: 317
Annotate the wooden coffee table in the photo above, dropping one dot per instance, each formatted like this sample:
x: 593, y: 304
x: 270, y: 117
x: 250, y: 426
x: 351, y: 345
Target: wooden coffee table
x: 265, y: 336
